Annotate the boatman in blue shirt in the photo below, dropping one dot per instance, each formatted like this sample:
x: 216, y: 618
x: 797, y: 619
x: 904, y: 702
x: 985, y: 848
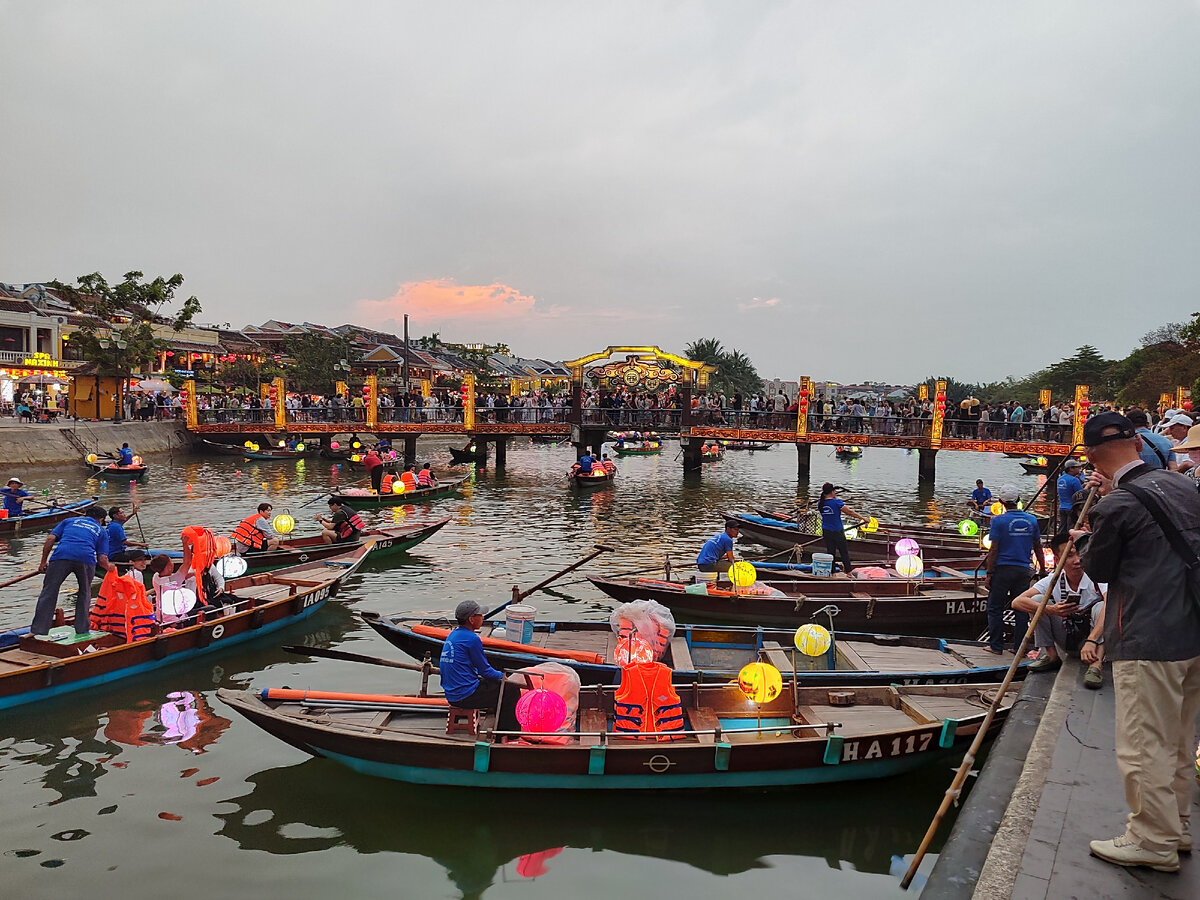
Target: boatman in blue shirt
x: 717, y: 553
x: 118, y: 542
x: 1069, y: 483
x: 468, y: 680
x: 1014, y: 534
x: 79, y: 544
x: 13, y: 497
x: 125, y: 455
x: 981, y: 497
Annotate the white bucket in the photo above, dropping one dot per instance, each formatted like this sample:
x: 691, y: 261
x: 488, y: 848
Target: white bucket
x: 822, y: 565
x: 518, y: 623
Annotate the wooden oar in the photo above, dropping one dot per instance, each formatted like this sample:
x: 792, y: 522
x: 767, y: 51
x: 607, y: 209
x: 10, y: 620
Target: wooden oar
x: 13, y: 581
x: 955, y: 789
x: 518, y: 595
x: 352, y: 657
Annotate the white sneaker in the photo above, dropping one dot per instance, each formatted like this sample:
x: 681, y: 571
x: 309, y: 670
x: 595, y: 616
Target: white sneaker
x: 1185, y: 842
x: 1124, y: 851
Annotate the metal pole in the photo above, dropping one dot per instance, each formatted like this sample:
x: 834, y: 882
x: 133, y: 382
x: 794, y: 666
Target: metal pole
x: 406, y: 353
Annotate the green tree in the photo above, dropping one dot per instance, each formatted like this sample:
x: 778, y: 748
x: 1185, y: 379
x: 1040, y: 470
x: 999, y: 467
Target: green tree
x: 735, y: 370
x: 1087, y: 366
x: 315, y: 361
x: 956, y: 391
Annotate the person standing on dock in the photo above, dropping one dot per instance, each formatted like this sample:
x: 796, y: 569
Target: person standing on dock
x: 833, y: 530
x: 79, y: 544
x: 1143, y: 543
x: 14, y: 497
x: 1014, y: 534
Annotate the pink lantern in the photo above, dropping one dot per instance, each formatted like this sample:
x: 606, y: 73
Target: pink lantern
x: 541, y: 711
x: 333, y: 445
x: 907, y: 547
x: 633, y: 649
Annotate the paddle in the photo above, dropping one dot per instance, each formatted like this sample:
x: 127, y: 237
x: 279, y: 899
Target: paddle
x: 352, y: 657
x: 964, y: 769
x: 13, y: 581
x: 332, y: 492
x: 518, y: 596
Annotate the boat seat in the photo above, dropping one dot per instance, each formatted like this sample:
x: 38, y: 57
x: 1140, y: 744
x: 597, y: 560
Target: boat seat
x: 702, y: 718
x: 774, y: 653
x: 462, y: 721
x: 592, y: 721
x: 852, y: 659
x: 681, y: 655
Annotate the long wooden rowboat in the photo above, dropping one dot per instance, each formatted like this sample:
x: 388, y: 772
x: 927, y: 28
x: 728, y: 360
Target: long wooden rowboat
x: 220, y: 449
x: 716, y: 653
x: 385, y: 542
x: 277, y: 453
x: 466, y: 457
x: 33, y: 670
x: 784, y: 536
x: 637, y: 451
x: 421, y: 495
x: 42, y: 519
x: 934, y: 611
x: 802, y: 739
x: 598, y: 477
x: 1035, y: 469
x: 114, y: 472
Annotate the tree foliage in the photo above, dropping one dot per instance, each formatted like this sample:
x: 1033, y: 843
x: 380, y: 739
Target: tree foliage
x: 315, y: 358
x: 735, y: 370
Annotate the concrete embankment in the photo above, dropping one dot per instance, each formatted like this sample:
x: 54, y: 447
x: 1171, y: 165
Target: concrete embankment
x: 50, y: 444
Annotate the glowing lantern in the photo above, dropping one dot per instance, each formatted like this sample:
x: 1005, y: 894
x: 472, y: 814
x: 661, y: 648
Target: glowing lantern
x: 232, y: 566
x: 742, y: 574
x: 254, y: 447
x: 137, y: 460
x: 987, y: 542
x: 282, y: 444
x: 872, y: 526
x: 813, y: 639
x: 300, y: 448
x: 541, y: 711
x: 399, y: 487
x: 355, y: 458
x: 283, y: 523
x: 92, y: 457
x: 334, y: 445
x: 907, y: 547
x: 356, y: 445
x: 996, y: 509
x: 1040, y: 461
x: 248, y: 444
x: 909, y: 566
x: 760, y: 681
x: 968, y: 528
x: 633, y: 649
x: 178, y: 602
x: 1049, y: 557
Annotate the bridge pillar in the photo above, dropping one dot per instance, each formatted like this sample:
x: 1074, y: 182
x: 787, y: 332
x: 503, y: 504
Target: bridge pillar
x: 803, y: 460
x: 926, y: 470
x: 501, y: 452
x: 690, y: 449
x: 410, y: 450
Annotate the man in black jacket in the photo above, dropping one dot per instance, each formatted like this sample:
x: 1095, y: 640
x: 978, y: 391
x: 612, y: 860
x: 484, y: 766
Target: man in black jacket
x: 1151, y: 632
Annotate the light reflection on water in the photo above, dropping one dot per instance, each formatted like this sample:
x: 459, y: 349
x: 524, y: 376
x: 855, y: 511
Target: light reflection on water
x: 153, y: 785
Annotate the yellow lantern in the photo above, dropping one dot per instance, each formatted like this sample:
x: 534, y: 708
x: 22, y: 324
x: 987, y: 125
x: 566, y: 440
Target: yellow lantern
x: 760, y: 681
x: 355, y: 458
x: 813, y: 639
x: 137, y: 460
x: 356, y: 445
x: 398, y: 486
x: 254, y: 447
x: 742, y: 574
x: 282, y: 444
x: 909, y: 566
x: 92, y: 457
x: 248, y: 445
x: 871, y: 527
x: 283, y: 523
x: 300, y: 448
x: 996, y: 509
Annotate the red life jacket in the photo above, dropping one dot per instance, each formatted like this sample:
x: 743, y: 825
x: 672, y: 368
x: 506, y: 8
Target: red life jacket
x: 353, y: 523
x: 122, y: 608
x: 646, y: 703
x: 248, y: 535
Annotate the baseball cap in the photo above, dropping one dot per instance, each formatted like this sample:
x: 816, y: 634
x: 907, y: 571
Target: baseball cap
x: 1093, y: 429
x: 1072, y: 464
x: 135, y: 554
x: 468, y: 608
x: 733, y: 524
x: 1009, y: 493
x: 1179, y: 419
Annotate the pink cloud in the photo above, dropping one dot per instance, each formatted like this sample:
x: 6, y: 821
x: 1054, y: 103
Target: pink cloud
x: 758, y: 303
x: 444, y: 300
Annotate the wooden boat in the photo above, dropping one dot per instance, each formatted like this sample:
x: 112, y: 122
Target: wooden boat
x: 895, y: 607
x: 598, y: 477
x: 786, y: 535
x: 115, y: 472
x: 41, y: 519
x: 467, y: 457
x: 643, y: 450
x: 710, y: 452
x: 716, y: 653
x: 33, y: 670
x: 800, y: 737
x: 747, y: 445
x: 1036, y: 469
x: 220, y: 449
x: 848, y: 452
x: 276, y: 453
x: 384, y: 542
x: 421, y: 495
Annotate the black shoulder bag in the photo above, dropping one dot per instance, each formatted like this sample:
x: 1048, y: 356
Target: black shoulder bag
x: 1153, y: 505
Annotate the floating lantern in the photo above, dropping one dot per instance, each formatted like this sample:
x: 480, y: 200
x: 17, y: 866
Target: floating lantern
x: 188, y: 487
x: 105, y: 483
x: 92, y: 457
x: 300, y: 448
x: 541, y: 711
x: 232, y: 566
x: 238, y: 473
x: 760, y: 681
x: 283, y: 523
x: 333, y: 445
x: 264, y: 485
x: 399, y: 487
x: 178, y: 602
x: 909, y: 566
x: 633, y: 649
x: 907, y: 547
x: 996, y: 509
x: 137, y: 460
x: 968, y: 528
x: 355, y: 458
x: 742, y: 574
x: 813, y: 639
x: 872, y: 526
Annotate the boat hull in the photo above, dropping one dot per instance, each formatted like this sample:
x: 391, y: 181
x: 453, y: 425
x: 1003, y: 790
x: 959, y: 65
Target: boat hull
x: 118, y: 473
x: 782, y: 536
x: 422, y: 495
x: 40, y: 521
x: 386, y: 542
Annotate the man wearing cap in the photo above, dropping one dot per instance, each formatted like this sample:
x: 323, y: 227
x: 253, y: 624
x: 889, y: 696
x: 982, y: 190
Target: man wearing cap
x: 1177, y: 430
x: 1068, y: 483
x: 1014, y: 534
x: 80, y: 543
x: 981, y: 497
x: 1150, y: 631
x: 717, y: 553
x: 468, y: 680
x: 1156, y: 450
x: 14, y: 496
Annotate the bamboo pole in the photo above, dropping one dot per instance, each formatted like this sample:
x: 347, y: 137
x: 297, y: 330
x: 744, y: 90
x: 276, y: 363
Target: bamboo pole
x: 960, y: 777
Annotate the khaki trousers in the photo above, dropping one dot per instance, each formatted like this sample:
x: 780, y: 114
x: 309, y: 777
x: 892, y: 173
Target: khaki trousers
x: 1157, y: 706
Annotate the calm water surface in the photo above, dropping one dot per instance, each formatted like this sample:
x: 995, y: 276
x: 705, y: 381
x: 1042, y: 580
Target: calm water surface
x: 154, y: 788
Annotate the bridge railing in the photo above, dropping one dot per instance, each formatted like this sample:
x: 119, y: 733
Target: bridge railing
x: 264, y: 417
x: 307, y: 415
x: 636, y: 419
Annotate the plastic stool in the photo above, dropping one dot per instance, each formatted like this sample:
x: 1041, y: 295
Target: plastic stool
x: 462, y: 720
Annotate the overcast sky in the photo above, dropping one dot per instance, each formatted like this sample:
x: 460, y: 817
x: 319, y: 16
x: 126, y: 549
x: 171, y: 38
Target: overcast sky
x: 848, y: 190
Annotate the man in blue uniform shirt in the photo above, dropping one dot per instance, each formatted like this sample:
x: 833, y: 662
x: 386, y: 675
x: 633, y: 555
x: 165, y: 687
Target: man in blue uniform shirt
x: 981, y: 496
x: 14, y: 495
x: 118, y: 542
x: 1068, y: 485
x: 468, y: 680
x: 717, y: 553
x: 125, y: 455
x: 79, y: 544
x: 1014, y: 534
x: 1156, y: 450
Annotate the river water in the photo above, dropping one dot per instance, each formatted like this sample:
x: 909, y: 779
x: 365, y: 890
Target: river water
x: 153, y: 788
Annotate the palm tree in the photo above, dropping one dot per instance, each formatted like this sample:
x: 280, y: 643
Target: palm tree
x: 705, y: 350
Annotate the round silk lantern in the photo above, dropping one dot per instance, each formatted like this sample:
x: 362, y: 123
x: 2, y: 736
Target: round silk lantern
x: 356, y: 445
x: 909, y: 566
x: 283, y: 523
x: 907, y: 547
x: 233, y: 566
x: 299, y: 448
x: 355, y: 458
x: 987, y: 542
x: 541, y: 711
x: 221, y: 546
x: 334, y: 445
x: 254, y: 447
x: 178, y: 602
x: 871, y: 527
x: 282, y: 444
x: 996, y: 509
x: 633, y: 649
x: 760, y: 681
x: 813, y: 639
x: 742, y: 574
x: 137, y: 460
x: 852, y: 533
x: 399, y: 487
x: 968, y: 528
x: 92, y: 457
x: 248, y: 444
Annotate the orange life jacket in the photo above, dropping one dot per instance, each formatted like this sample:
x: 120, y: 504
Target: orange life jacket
x: 425, y: 478
x: 646, y: 703
x: 122, y: 608
x: 410, y: 480
x: 248, y: 535
x: 609, y: 466
x: 204, y: 554
x: 385, y: 486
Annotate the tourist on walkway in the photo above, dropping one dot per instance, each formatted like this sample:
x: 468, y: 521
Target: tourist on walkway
x: 1014, y: 534
x: 1148, y: 518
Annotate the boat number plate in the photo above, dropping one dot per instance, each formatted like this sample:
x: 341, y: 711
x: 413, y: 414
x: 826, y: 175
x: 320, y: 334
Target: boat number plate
x: 658, y: 764
x: 217, y: 631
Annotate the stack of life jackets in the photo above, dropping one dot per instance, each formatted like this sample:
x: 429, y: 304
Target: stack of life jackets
x: 249, y: 536
x: 646, y: 703
x: 121, y: 607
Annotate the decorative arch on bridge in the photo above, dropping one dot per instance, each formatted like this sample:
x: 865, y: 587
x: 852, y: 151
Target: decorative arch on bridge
x: 641, y: 367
